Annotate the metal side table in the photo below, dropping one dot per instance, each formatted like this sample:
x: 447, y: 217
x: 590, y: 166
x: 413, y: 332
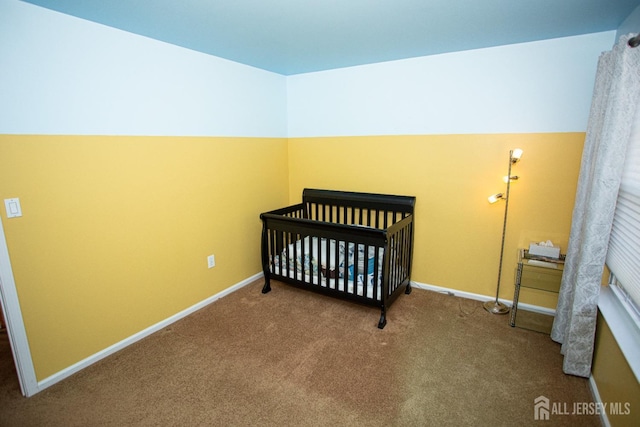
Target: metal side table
x: 533, y: 272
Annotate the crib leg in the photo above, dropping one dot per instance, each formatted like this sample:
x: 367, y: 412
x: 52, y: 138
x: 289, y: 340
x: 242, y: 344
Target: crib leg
x: 267, y: 286
x: 383, y: 318
x: 408, y: 289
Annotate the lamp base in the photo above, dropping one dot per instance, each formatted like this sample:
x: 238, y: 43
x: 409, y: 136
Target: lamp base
x: 495, y: 307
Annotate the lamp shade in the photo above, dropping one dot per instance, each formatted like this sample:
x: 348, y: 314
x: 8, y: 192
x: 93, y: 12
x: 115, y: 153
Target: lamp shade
x: 516, y: 154
x: 495, y: 197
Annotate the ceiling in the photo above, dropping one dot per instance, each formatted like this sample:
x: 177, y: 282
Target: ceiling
x: 298, y: 36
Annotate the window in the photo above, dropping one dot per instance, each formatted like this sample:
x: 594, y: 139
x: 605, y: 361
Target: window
x: 623, y: 256
x: 619, y: 303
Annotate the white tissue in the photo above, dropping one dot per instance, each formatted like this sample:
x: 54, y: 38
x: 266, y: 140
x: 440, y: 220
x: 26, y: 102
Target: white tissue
x: 546, y: 249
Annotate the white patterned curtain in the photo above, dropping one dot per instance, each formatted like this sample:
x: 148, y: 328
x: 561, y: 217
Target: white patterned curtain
x: 615, y: 99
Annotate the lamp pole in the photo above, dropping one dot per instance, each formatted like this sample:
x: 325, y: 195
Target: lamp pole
x: 496, y: 307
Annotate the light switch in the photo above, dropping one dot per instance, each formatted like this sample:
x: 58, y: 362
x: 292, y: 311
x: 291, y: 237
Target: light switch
x: 13, y: 207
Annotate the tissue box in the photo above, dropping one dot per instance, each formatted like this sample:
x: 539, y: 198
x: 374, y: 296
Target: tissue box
x: 545, y: 251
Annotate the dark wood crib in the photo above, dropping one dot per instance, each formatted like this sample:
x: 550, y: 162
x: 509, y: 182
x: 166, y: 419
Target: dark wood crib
x: 353, y: 246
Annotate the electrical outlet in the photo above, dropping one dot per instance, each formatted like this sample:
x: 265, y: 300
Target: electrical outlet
x: 211, y: 261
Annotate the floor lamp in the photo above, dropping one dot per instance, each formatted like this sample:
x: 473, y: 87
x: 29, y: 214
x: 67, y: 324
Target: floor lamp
x: 496, y: 307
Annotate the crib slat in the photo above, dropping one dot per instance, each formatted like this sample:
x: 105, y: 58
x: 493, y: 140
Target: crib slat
x: 403, y: 259
x: 375, y: 276
x: 288, y: 253
x: 365, y: 268
x: 295, y: 256
x: 291, y: 256
x: 318, y: 273
x: 336, y: 263
x: 393, y: 263
x: 284, y: 262
x: 271, y: 251
x: 303, y: 253
x: 279, y: 248
x: 355, y: 266
x: 396, y: 266
x: 323, y: 263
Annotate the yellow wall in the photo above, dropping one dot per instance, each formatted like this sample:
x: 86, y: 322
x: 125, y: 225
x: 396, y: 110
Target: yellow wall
x: 116, y: 230
x: 458, y: 233
x: 616, y: 383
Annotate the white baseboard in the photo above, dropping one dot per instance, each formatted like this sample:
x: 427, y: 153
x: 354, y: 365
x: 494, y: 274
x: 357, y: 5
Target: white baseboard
x: 65, y: 373
x: 597, y: 399
x: 483, y: 298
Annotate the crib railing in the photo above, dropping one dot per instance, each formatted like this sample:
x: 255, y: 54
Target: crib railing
x: 400, y: 248
x: 366, y: 209
x: 289, y: 244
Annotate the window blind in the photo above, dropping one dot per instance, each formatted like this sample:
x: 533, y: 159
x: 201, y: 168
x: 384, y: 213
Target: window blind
x: 623, y: 256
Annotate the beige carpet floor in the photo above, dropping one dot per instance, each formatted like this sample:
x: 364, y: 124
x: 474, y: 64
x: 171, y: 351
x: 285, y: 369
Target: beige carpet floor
x: 295, y: 358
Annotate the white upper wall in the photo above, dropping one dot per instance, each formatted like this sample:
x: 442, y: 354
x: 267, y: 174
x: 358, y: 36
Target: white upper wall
x: 541, y: 86
x: 64, y: 75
